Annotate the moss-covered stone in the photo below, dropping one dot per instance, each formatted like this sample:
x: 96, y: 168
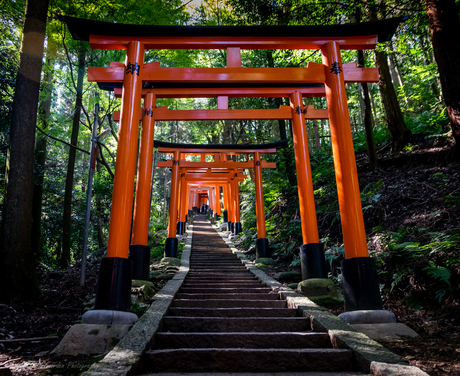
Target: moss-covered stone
x: 140, y: 283
x: 146, y: 293
x: 322, y: 321
x: 288, y: 276
x: 265, y: 261
x: 170, y: 261
x: 159, y: 275
x: 326, y: 300
x: 318, y: 287
x: 293, y: 286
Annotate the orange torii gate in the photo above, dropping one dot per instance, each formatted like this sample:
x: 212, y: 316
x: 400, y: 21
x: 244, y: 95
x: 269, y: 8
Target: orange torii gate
x: 361, y: 288
x: 221, y: 161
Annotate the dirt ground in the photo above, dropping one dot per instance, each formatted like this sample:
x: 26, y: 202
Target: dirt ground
x: 409, y: 188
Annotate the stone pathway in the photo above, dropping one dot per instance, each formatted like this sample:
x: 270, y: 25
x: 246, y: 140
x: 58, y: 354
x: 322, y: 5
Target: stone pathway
x: 224, y: 320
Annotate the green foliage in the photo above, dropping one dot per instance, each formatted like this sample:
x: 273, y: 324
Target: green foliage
x: 420, y: 260
x: 139, y: 310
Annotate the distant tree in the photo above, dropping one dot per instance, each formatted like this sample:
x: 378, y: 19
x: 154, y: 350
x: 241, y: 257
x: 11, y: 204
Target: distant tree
x: 16, y: 258
x: 64, y: 260
x: 445, y: 36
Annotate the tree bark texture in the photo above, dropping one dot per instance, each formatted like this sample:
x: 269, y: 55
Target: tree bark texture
x: 64, y: 260
x: 445, y: 35
x: 367, y: 117
x: 98, y: 225
x: 16, y: 257
x: 44, y: 111
x: 400, y: 134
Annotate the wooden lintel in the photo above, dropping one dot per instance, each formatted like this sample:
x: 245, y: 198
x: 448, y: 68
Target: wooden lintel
x: 313, y: 73
x: 222, y: 165
x: 353, y: 73
x: 283, y: 113
x: 152, y: 72
x: 248, y: 43
x: 255, y: 92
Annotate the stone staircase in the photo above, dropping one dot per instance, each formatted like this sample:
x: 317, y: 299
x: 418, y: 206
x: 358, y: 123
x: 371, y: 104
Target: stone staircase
x: 224, y: 320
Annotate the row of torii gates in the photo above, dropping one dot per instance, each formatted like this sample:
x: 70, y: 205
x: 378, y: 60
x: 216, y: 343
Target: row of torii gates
x: 134, y: 79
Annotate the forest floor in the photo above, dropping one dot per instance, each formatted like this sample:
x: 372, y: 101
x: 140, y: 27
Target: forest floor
x: 411, y: 197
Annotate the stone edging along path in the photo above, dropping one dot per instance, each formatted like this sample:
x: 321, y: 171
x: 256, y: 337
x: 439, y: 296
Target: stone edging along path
x: 126, y: 357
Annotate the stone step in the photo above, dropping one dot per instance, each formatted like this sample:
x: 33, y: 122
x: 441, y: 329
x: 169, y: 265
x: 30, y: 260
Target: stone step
x: 293, y: 340
x: 215, y: 263
x: 210, y: 258
x: 232, y: 312
x: 220, y: 271
x: 217, y: 267
x: 228, y: 296
x: 221, y: 257
x: 217, y: 252
x: 256, y: 374
x: 235, y: 324
x: 232, y: 284
x: 249, y: 360
x: 219, y: 290
x: 224, y: 277
x: 228, y: 303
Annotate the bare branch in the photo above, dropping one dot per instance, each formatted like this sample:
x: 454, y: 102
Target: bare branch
x: 103, y: 162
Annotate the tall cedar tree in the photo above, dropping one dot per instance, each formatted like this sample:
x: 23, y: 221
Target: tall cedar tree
x: 64, y: 260
x: 16, y: 258
x: 400, y: 134
x: 445, y: 36
x: 44, y: 113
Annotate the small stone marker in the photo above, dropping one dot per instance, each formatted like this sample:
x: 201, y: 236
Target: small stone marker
x: 385, y: 369
x: 87, y: 339
x: 386, y: 331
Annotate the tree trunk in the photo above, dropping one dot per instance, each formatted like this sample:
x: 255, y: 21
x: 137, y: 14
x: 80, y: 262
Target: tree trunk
x: 445, y: 36
x: 18, y: 275
x: 368, y: 120
x: 316, y: 134
x: 281, y: 122
x: 400, y: 134
x: 64, y: 260
x: 98, y: 224
x: 44, y: 111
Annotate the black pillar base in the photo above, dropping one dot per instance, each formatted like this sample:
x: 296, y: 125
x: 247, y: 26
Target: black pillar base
x: 225, y: 214
x: 113, y: 290
x: 180, y: 228
x: 237, y: 228
x: 262, y: 248
x: 196, y: 210
x: 360, y: 284
x: 231, y: 227
x: 171, y: 247
x: 313, y: 261
x: 140, y: 256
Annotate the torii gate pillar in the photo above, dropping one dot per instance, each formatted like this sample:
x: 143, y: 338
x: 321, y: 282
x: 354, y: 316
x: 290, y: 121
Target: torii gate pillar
x: 262, y: 249
x: 171, y: 242
x: 114, y: 284
x: 139, y: 252
x: 236, y: 204
x: 360, y: 280
x: 312, y: 255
